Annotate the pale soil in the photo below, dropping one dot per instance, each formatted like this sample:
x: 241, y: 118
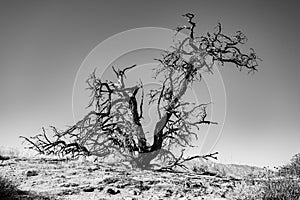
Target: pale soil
x: 53, y: 179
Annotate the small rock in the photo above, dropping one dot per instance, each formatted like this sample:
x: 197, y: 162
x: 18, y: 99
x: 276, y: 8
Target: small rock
x: 64, y: 185
x: 134, y: 192
x: 69, y: 185
x: 93, y: 168
x: 31, y: 173
x: 100, y: 188
x: 89, y: 189
x: 112, y: 191
x: 109, y: 180
x: 168, y: 193
x: 197, y: 185
x: 71, y: 173
x: 74, y: 184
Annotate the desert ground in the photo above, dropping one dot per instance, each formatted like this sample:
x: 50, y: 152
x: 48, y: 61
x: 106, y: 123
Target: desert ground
x: 53, y: 178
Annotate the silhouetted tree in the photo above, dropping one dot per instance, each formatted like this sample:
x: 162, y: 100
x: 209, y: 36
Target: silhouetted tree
x: 114, y: 125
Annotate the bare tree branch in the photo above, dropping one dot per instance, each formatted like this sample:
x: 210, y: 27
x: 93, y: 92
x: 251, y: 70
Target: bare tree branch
x: 115, y: 126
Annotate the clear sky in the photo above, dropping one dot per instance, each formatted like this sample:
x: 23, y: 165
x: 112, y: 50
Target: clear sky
x: 43, y: 43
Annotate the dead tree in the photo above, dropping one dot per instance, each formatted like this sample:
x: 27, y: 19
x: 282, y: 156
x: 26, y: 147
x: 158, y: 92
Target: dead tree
x: 114, y: 126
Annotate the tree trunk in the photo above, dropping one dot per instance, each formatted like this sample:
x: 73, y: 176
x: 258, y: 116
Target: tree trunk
x: 143, y: 161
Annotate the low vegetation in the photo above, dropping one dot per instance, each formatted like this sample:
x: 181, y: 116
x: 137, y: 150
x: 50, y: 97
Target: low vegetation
x: 292, y: 168
x: 285, y: 188
x: 283, y: 183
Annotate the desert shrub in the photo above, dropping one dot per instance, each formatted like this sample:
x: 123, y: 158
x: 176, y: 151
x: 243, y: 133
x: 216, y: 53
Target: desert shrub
x: 8, y: 189
x: 285, y: 188
x: 291, y: 169
x: 275, y: 187
x: 269, y: 185
x: 286, y: 183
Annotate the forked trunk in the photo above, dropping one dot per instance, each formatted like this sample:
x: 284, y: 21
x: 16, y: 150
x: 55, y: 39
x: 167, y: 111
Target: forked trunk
x: 143, y: 161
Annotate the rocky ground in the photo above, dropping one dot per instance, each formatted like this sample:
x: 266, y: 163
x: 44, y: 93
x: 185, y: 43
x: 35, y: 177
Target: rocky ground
x: 56, y: 179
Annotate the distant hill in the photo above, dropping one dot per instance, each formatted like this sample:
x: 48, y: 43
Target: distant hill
x: 230, y: 170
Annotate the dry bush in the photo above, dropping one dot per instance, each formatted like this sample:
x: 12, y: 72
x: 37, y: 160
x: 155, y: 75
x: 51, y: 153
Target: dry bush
x: 292, y: 168
x: 273, y: 186
x: 281, y: 189
x: 285, y: 183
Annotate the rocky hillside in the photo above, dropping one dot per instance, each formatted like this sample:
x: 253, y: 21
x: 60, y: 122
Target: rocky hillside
x: 56, y: 179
